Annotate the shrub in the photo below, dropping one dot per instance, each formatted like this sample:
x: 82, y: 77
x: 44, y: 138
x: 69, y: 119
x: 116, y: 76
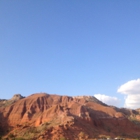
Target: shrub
x: 10, y: 135
x: 19, y: 139
x: 63, y: 138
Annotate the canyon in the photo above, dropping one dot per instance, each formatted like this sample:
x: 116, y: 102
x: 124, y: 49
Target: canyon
x: 43, y: 116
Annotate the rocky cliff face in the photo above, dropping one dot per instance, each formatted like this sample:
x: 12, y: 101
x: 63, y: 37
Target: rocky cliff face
x: 45, y: 116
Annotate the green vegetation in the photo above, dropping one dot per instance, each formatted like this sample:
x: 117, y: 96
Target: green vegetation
x: 63, y: 138
x: 10, y: 135
x: 33, y: 130
x: 5, y: 103
x: 19, y: 139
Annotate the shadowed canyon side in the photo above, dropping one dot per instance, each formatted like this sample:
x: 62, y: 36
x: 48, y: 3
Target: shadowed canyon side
x: 46, y: 116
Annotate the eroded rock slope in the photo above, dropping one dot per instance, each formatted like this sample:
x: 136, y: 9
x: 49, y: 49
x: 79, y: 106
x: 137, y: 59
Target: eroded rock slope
x: 45, y: 116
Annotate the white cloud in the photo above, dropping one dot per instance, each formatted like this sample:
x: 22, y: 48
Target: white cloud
x: 108, y: 99
x: 132, y: 101
x: 132, y: 91
x: 131, y: 87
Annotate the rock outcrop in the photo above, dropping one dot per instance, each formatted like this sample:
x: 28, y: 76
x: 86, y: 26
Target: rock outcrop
x: 17, y: 97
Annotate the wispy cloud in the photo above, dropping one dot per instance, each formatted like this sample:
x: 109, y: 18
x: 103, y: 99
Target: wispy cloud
x: 132, y: 91
x: 108, y: 99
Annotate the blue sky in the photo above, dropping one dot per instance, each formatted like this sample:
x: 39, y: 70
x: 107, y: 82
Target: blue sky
x: 75, y: 47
